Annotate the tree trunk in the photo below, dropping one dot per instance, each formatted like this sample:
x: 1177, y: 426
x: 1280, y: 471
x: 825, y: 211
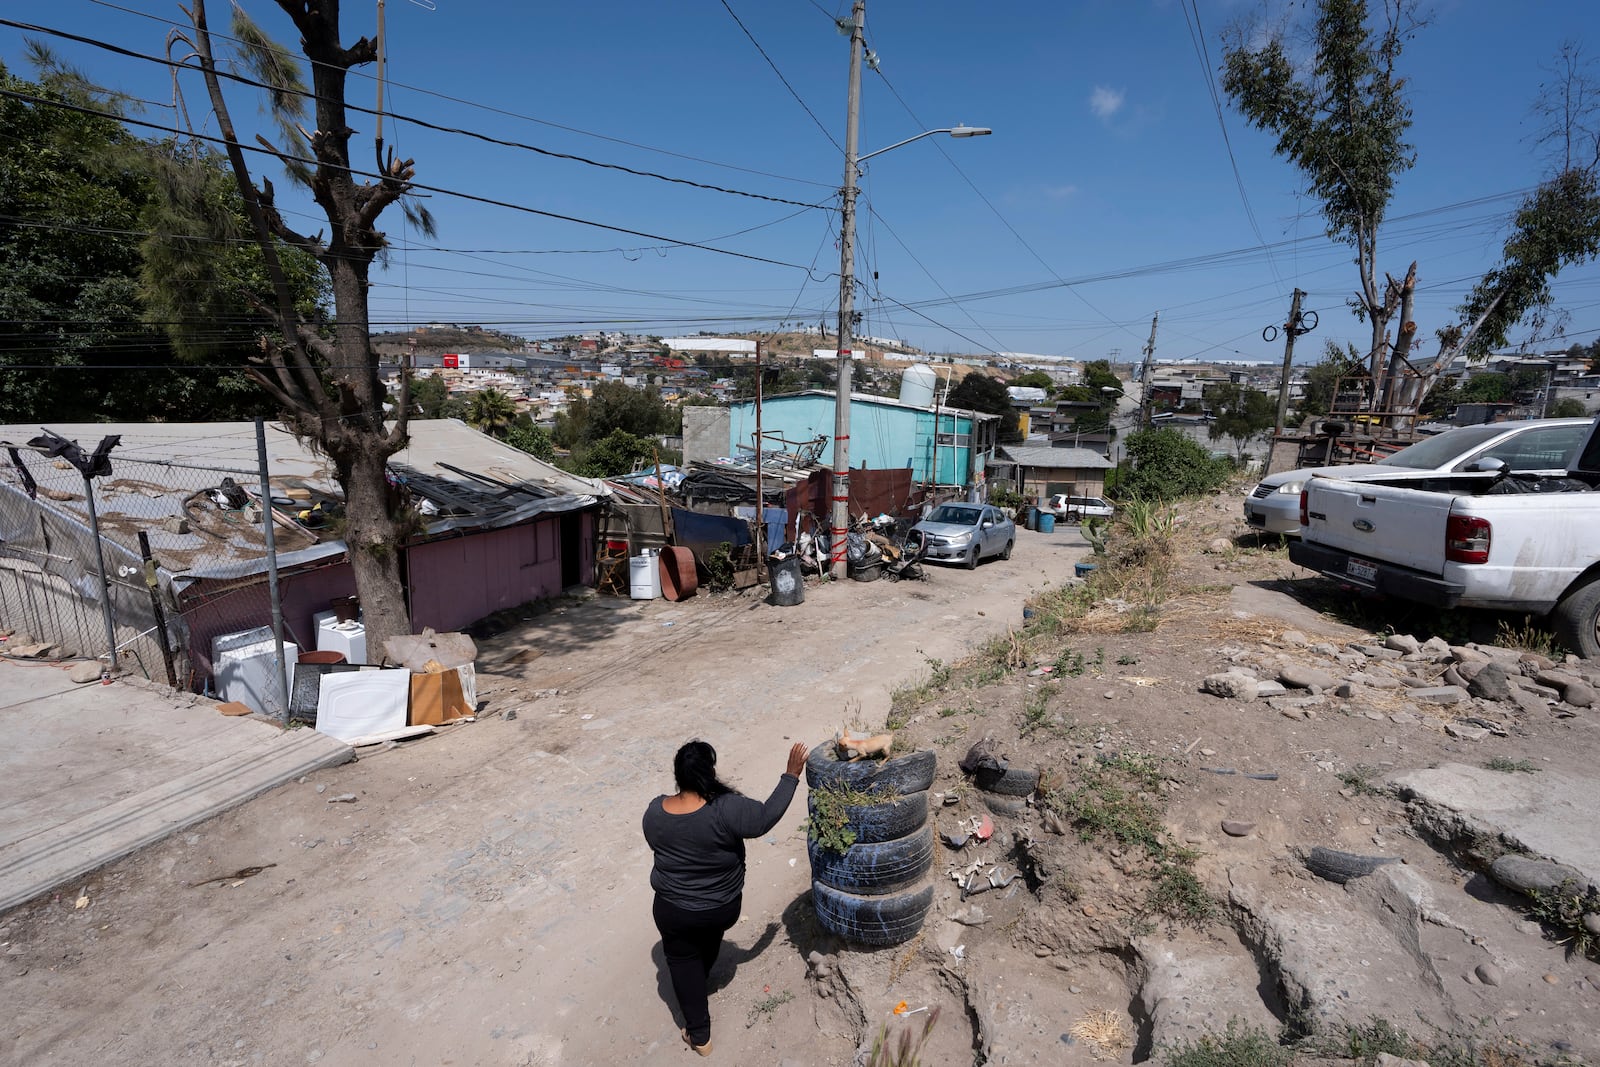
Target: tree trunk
x: 371, y: 538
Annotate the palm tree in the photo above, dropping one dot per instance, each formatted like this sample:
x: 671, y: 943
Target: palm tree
x: 492, y: 412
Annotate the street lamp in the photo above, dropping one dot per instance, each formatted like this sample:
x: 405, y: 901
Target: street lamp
x: 847, y: 284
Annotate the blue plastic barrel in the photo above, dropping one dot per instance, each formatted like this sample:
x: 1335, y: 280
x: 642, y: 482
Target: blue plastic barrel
x: 1082, y: 570
x: 1047, y: 522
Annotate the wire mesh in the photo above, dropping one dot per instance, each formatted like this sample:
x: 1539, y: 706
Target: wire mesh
x: 202, y: 522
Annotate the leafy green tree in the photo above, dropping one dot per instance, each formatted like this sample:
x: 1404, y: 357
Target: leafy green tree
x: 1241, y: 413
x: 1341, y: 117
x: 1568, y: 407
x: 1486, y: 388
x: 491, y: 412
x: 979, y: 392
x: 1166, y: 465
x: 429, y: 395
x: 619, y: 452
x: 1034, y: 379
x: 1102, y: 381
x: 532, y: 439
x: 1442, y: 398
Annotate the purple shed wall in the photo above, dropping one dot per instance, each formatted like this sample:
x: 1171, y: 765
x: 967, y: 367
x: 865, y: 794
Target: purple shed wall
x: 458, y: 581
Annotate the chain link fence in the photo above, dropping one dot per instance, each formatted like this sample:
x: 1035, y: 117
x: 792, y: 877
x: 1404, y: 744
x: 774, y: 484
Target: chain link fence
x: 166, y: 530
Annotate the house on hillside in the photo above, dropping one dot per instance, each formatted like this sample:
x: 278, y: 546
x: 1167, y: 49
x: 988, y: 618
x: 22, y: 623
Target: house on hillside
x: 941, y: 446
x: 494, y: 528
x: 1042, y: 472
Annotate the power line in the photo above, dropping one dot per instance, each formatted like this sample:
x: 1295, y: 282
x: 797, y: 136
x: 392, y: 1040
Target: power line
x: 489, y: 108
x: 412, y: 119
x: 492, y: 202
x: 781, y: 78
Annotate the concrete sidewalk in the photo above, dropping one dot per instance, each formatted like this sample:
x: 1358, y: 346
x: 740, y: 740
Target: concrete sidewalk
x: 91, y: 773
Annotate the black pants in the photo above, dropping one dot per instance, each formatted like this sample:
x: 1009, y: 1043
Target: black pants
x: 691, y: 940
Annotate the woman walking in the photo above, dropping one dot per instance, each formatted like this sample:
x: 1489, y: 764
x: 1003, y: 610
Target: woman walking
x: 698, y: 837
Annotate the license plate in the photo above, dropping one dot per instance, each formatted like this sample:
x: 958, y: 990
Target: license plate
x: 1361, y: 570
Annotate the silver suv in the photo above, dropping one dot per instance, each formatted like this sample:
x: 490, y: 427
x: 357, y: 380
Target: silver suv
x: 1078, y: 508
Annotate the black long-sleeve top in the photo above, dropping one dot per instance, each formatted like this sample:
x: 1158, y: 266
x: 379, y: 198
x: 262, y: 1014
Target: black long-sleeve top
x: 700, y: 856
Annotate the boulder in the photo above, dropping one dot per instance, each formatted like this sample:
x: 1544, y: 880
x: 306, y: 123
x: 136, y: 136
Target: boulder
x: 1270, y: 689
x: 1403, y: 643
x: 1302, y: 676
x: 1436, y: 648
x: 1467, y: 654
x: 1579, y: 695
x: 85, y: 672
x: 1490, y: 683
x: 1528, y: 702
x: 1232, y: 685
x: 1527, y: 874
x: 1438, y: 694
x: 1292, y: 638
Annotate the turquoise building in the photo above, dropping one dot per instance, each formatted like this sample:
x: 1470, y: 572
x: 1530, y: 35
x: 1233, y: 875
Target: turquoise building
x: 941, y: 446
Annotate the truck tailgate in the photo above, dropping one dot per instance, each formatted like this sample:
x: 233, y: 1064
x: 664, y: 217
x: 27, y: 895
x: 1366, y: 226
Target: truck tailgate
x: 1386, y: 522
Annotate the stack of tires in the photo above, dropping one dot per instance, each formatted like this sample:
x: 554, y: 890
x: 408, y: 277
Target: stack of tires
x: 877, y: 891
x: 1005, y: 790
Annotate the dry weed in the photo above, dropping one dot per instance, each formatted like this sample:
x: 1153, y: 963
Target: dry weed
x: 1106, y: 1031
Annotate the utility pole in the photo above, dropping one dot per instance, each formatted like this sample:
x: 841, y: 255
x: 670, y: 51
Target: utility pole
x: 761, y: 500
x: 1291, y: 329
x: 847, y: 292
x: 272, y: 567
x: 1148, y: 374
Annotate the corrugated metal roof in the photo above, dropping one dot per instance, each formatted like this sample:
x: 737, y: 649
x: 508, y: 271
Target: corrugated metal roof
x: 1074, y: 458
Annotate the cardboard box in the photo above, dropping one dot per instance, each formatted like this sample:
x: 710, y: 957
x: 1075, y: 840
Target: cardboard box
x: 437, y: 699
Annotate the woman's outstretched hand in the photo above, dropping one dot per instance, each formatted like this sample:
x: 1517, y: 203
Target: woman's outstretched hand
x: 797, y: 759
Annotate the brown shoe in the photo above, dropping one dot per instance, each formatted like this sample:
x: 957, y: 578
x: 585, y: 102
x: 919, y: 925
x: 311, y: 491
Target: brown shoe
x: 704, y: 1050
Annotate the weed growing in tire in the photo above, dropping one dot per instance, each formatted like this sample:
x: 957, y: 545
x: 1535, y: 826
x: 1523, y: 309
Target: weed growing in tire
x: 829, y: 823
x: 1237, y: 1046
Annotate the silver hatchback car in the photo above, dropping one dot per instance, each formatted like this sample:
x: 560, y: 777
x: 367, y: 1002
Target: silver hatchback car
x: 1544, y: 445
x: 966, y: 533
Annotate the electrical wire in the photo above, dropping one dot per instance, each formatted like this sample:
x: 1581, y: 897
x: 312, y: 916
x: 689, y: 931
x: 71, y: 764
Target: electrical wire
x: 411, y: 119
x: 798, y: 99
x: 389, y: 81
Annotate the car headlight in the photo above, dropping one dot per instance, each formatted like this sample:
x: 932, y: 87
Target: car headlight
x: 1291, y: 487
x: 961, y: 538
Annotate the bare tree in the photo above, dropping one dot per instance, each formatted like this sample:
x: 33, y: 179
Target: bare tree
x: 324, y: 376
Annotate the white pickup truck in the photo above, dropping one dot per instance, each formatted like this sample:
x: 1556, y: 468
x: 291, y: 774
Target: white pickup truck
x: 1481, y: 538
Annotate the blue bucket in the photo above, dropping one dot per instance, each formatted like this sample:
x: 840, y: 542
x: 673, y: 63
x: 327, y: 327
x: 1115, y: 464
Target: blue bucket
x: 1081, y: 570
x: 1047, y: 522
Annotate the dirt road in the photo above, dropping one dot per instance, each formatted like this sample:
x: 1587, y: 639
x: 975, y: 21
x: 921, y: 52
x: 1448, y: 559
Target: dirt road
x: 485, y: 898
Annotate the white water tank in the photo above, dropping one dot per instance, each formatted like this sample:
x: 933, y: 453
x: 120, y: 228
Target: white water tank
x: 917, y: 385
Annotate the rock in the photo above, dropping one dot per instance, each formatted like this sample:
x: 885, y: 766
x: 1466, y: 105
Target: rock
x: 1579, y: 695
x: 1495, y: 652
x: 1491, y: 682
x: 177, y: 524
x: 1237, y: 828
x: 1463, y: 732
x: 1469, y: 668
x: 1465, y: 654
x: 1384, y: 1059
x: 1436, y: 646
x: 1373, y: 681
x: 1526, y: 874
x: 1377, y: 651
x: 1488, y: 974
x: 89, y: 670
x: 1322, y: 648
x: 1591, y: 922
x: 1350, y: 659
x: 1293, y: 638
x: 1344, y: 690
x: 1404, y: 718
x: 1528, y: 685
x: 1438, y: 694
x: 971, y: 915
x: 1230, y: 685
x: 1269, y: 689
x: 1301, y: 676
x: 1404, y: 643
x: 1298, y: 714
x: 1453, y: 677
x: 1550, y: 979
x: 1216, y: 546
x: 1532, y: 659
x: 1530, y: 704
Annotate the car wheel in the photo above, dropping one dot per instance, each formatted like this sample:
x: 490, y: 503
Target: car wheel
x: 883, y: 821
x: 1006, y: 552
x: 972, y: 559
x: 885, y: 920
x: 910, y: 773
x: 1577, y: 621
x: 876, y: 869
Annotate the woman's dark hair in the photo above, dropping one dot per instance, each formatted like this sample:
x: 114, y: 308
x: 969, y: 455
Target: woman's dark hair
x: 695, y: 768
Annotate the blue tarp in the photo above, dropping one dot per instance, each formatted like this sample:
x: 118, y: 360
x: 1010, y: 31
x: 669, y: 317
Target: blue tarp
x: 695, y: 528
x: 777, y: 520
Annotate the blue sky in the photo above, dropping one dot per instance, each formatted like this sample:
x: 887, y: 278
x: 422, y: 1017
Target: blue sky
x: 1107, y: 168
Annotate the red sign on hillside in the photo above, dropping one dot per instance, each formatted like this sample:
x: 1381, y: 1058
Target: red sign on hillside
x: 452, y: 360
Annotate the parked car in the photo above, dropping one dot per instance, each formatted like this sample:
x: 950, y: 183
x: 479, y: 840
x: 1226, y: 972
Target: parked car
x: 966, y: 533
x: 1543, y: 446
x: 1077, y: 508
